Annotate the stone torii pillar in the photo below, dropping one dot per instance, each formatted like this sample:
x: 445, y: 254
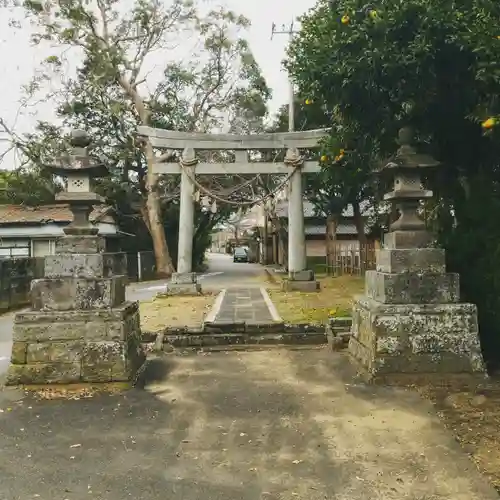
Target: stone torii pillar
x: 79, y: 327
x: 184, y: 280
x: 410, y: 321
x: 299, y: 277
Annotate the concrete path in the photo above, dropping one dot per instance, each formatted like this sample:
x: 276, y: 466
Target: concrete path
x: 279, y: 425
x: 243, y: 305
x: 224, y: 273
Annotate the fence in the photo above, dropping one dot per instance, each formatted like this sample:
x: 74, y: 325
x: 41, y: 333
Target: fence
x: 15, y: 281
x: 352, y: 259
x: 346, y: 258
x: 141, y: 266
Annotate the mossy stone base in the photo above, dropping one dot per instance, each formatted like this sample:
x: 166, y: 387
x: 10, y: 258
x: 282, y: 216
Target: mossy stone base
x: 58, y: 347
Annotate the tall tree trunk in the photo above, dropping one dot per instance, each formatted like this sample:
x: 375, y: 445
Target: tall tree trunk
x: 275, y: 247
x: 360, y: 229
x: 359, y: 223
x: 331, y: 237
x: 265, y: 237
x: 283, y: 242
x: 164, y: 265
x: 282, y: 234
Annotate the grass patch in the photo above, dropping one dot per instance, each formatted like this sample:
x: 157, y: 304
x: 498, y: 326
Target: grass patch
x: 334, y: 299
x: 175, y: 311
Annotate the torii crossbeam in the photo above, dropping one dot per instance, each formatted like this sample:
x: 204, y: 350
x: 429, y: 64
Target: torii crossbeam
x: 184, y: 280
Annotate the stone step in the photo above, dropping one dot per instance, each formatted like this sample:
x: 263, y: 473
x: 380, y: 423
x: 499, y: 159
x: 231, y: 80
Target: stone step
x: 249, y: 347
x: 260, y: 328
x: 242, y: 339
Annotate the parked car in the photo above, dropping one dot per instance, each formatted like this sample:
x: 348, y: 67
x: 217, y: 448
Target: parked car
x: 240, y: 255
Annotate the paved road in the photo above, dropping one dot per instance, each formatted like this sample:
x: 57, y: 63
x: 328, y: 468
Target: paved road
x: 222, y: 273
x: 236, y: 426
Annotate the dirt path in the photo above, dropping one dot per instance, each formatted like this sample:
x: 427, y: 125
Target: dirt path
x: 274, y: 425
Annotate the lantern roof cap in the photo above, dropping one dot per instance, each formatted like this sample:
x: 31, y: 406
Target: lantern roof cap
x: 406, y: 156
x: 78, y: 159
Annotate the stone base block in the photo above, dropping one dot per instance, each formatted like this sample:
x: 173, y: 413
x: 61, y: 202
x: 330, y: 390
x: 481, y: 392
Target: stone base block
x: 415, y: 339
x: 75, y: 265
x: 300, y: 286
x: 407, y: 239
x: 411, y: 260
x: 64, y: 294
x: 413, y: 288
x: 76, y: 346
x: 306, y: 275
x: 183, y: 278
x: 183, y: 289
x: 80, y: 244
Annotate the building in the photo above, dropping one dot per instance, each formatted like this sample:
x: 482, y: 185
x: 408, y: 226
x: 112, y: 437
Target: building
x: 236, y: 230
x: 32, y: 231
x: 315, y: 227
x: 315, y: 231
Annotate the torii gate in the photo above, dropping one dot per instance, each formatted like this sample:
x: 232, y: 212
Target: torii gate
x: 184, y: 281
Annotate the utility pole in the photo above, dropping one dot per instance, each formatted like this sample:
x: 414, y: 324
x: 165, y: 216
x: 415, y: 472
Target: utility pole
x: 297, y: 254
x: 290, y: 31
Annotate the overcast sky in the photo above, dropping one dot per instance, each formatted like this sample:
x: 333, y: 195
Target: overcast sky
x: 18, y: 59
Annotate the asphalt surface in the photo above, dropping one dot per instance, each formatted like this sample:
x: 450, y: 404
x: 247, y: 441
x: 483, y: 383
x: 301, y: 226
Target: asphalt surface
x: 270, y: 425
x: 221, y: 273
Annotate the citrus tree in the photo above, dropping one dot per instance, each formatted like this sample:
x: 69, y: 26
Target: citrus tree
x: 434, y: 66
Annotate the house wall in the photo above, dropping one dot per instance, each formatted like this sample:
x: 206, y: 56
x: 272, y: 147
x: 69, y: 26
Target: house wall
x: 37, y: 241
x: 316, y: 246
x: 15, y: 248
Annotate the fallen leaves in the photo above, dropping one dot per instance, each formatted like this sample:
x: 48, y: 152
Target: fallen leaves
x: 75, y: 391
x: 474, y: 418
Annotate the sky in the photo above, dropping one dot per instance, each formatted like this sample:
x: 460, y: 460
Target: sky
x: 18, y: 60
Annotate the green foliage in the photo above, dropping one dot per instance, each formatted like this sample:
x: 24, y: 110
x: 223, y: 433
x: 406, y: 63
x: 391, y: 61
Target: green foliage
x: 26, y: 187
x: 434, y: 66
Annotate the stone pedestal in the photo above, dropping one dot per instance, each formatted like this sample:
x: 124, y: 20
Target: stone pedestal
x: 410, y: 320
x: 300, y: 281
x: 79, y: 328
x: 183, y: 284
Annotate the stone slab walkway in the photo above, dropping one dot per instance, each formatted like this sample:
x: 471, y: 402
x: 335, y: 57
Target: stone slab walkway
x: 279, y: 425
x: 244, y: 305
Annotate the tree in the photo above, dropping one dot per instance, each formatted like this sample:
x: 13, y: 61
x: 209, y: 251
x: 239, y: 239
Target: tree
x: 21, y: 187
x: 331, y: 190
x: 112, y: 86
x: 434, y: 66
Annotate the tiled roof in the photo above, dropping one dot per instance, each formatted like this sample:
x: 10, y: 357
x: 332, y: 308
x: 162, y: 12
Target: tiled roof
x: 20, y: 214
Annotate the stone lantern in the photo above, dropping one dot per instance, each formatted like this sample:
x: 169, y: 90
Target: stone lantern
x: 410, y: 320
x: 80, y: 327
x: 407, y: 193
x: 80, y: 171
